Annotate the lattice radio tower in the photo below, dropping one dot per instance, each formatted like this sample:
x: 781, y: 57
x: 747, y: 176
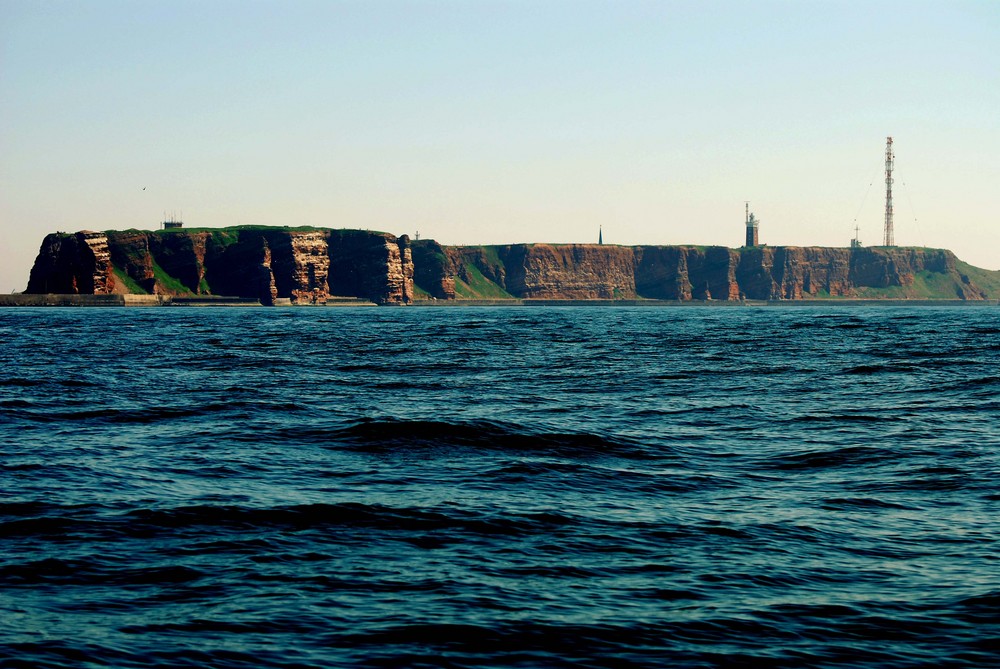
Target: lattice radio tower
x: 889, y: 157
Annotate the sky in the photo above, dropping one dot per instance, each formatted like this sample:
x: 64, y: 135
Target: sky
x: 494, y: 122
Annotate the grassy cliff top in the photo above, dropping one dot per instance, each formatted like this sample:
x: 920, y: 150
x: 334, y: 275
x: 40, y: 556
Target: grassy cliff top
x: 262, y: 228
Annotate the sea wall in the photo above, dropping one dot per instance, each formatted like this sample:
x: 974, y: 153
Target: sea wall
x: 267, y: 264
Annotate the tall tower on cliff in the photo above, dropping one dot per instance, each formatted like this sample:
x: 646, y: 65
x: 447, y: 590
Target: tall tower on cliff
x: 752, y: 225
x: 889, y: 160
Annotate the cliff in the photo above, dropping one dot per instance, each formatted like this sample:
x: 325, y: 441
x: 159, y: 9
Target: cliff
x: 305, y: 266
x: 311, y: 265
x: 587, y: 271
x: 73, y: 264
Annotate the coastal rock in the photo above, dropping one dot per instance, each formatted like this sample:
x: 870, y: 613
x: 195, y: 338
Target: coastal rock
x: 181, y: 255
x: 711, y: 273
x: 310, y: 276
x: 73, y: 264
x: 571, y: 271
x: 256, y: 263
x: 375, y: 266
x: 574, y: 271
x: 661, y: 272
x: 434, y: 269
x: 311, y: 265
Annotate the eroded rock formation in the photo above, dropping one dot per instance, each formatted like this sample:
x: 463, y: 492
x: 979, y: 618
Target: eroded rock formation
x: 73, y: 263
x: 309, y: 266
x: 304, y: 266
x: 573, y: 271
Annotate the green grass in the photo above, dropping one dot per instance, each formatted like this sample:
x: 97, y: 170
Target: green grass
x: 891, y: 293
x: 238, y: 228
x: 936, y: 285
x: 224, y: 237
x: 300, y: 228
x: 926, y: 286
x: 167, y: 282
x: 129, y: 283
x: 479, y: 287
x: 988, y: 280
x: 419, y: 293
x: 492, y: 255
x: 463, y: 291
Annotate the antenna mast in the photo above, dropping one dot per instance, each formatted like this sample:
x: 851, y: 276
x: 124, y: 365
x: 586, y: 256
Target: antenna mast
x: 889, y: 158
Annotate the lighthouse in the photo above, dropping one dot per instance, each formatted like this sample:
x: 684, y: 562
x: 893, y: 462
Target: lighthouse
x: 752, y: 225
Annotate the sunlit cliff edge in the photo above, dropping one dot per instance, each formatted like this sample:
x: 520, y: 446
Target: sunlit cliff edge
x: 314, y: 265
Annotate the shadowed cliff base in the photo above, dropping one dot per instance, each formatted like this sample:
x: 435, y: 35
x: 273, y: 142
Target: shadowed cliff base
x: 275, y: 265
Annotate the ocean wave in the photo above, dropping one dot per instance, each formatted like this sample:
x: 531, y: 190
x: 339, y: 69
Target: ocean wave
x: 350, y: 517
x: 394, y: 436
x: 94, y: 571
x: 572, y: 488
x: 346, y: 515
x: 847, y: 456
x: 154, y: 414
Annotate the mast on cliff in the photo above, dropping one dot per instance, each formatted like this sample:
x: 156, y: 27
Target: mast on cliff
x: 752, y: 225
x: 889, y: 158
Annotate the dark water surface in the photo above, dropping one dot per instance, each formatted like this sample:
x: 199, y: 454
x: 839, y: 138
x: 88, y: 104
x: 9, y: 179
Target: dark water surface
x: 561, y: 487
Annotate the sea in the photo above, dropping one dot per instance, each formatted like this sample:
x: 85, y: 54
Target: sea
x: 780, y: 486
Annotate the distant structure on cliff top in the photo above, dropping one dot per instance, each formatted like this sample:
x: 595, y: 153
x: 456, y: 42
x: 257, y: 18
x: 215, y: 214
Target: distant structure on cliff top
x: 600, y: 235
x: 856, y: 242
x: 752, y: 225
x: 890, y: 159
x: 171, y: 223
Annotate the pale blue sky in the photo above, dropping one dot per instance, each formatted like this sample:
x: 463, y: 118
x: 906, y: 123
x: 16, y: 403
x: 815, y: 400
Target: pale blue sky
x: 499, y: 122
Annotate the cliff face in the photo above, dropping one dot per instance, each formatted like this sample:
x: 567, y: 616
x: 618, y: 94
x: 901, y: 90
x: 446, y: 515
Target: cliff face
x: 372, y: 265
x: 309, y: 266
x: 792, y: 273
x: 569, y: 272
x: 434, y: 269
x: 73, y: 263
x: 579, y: 271
x: 684, y: 273
x: 305, y: 266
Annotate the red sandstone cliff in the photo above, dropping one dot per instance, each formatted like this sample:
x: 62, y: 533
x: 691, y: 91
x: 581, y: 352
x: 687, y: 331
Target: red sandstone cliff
x: 575, y: 271
x: 305, y: 266
x: 73, y: 263
x: 308, y: 266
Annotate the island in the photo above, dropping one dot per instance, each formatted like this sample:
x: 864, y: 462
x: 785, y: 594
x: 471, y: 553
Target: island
x: 316, y: 266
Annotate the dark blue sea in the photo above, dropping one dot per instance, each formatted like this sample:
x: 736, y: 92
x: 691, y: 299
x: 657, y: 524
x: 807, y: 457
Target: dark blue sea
x: 500, y: 487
